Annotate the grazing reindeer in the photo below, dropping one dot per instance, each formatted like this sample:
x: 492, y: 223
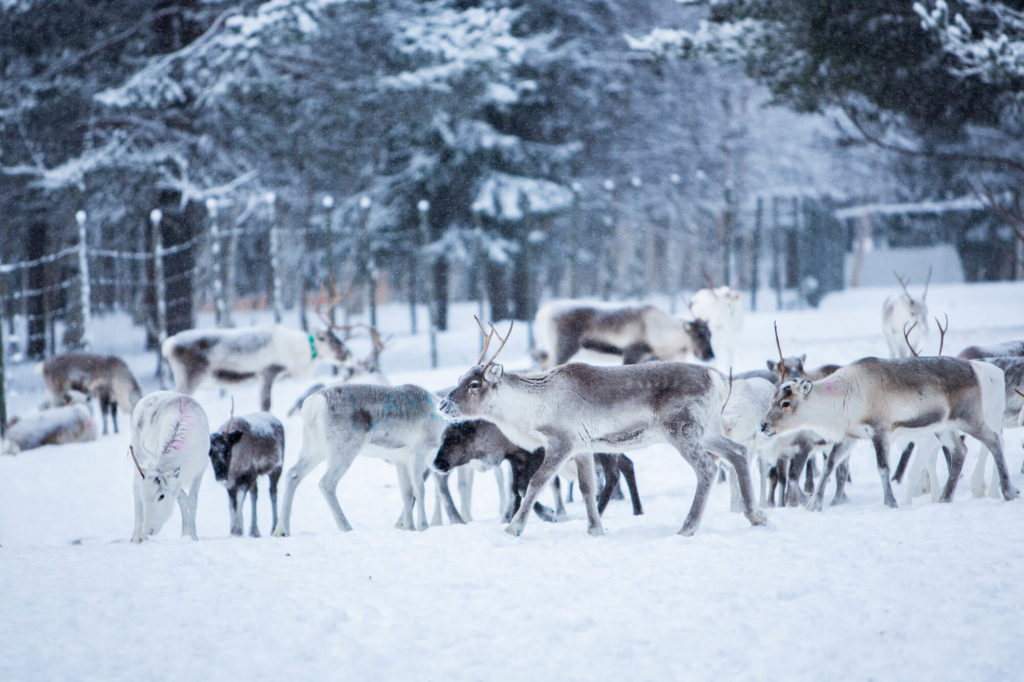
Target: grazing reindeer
x: 904, y: 313
x: 399, y: 424
x: 243, y: 449
x: 722, y: 307
x: 871, y: 398
x: 235, y: 355
x: 105, y: 376
x: 568, y: 326
x: 1004, y: 349
x: 170, y: 443
x: 573, y: 409
x: 52, y: 426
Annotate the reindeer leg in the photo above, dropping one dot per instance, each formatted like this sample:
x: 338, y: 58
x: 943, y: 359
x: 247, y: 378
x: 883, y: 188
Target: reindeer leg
x: 795, y: 496
x: 466, y: 476
x: 880, y: 440
x: 137, y: 535
x: 610, y: 467
x: 254, y: 530
x: 295, y: 475
x: 588, y: 488
x: 235, y: 509
x: 554, y: 455
x: 736, y: 456
x: 187, y: 503
x: 629, y: 473
x: 901, y: 466
x: 762, y: 466
x: 842, y: 478
x: 957, y: 454
x: 336, y: 468
x: 782, y: 470
x: 838, y: 453
x: 994, y: 443
x: 274, y: 476
x: 556, y: 492
x: 499, y: 476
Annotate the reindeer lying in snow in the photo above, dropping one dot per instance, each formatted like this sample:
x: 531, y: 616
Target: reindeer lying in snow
x: 567, y: 326
x: 170, y: 443
x: 871, y: 398
x: 399, y: 424
x: 52, y: 426
x: 243, y: 449
x: 574, y: 409
x: 106, y: 377
x: 905, y: 320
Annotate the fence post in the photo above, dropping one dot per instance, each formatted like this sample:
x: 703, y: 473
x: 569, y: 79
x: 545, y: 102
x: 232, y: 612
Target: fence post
x: 328, y: 203
x: 368, y: 264
x: 155, y: 216
x: 275, y: 257
x: 83, y: 276
x: 219, y: 303
x: 423, y: 206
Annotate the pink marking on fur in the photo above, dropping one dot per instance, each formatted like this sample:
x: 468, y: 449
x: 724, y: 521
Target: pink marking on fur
x: 184, y: 424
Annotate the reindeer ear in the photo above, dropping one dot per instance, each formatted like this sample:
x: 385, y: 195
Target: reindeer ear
x: 805, y: 387
x: 174, y: 475
x: 234, y: 437
x: 772, y: 366
x: 493, y: 373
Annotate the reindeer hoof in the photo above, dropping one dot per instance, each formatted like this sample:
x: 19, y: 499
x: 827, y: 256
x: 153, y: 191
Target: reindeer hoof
x: 595, y: 531
x: 1011, y: 494
x: 757, y: 518
x: 512, y: 530
x: 814, y: 504
x: 687, y: 531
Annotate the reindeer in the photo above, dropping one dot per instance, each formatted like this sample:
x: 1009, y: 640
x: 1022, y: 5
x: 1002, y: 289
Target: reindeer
x: 903, y: 312
x: 236, y: 355
x: 170, y: 442
x: 106, y: 377
x: 568, y: 326
x: 1004, y: 349
x: 399, y: 424
x: 243, y: 449
x: 722, y: 307
x: 53, y: 426
x: 872, y: 398
x: 365, y: 370
x: 573, y: 409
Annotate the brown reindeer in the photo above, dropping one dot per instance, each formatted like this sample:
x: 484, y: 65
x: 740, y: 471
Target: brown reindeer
x: 106, y: 377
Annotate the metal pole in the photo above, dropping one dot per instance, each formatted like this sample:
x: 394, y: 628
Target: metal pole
x: 155, y: 216
x: 83, y: 285
x: 275, y: 256
x: 328, y: 204
x: 423, y: 206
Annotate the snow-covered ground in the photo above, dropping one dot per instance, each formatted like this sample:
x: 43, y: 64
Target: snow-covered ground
x: 857, y: 592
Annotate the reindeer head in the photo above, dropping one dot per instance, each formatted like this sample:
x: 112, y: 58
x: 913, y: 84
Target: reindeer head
x: 916, y: 309
x: 700, y: 337
x: 326, y: 343
x: 221, y: 443
x: 457, y: 443
x: 474, y: 393
x: 158, y: 491
x: 793, y: 367
x: 783, y: 413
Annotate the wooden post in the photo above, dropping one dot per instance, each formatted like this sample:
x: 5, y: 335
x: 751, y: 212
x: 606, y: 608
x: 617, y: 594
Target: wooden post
x: 423, y: 206
x: 83, y: 282
x: 777, y: 253
x: 367, y: 263
x: 275, y: 257
x: 328, y: 203
x: 220, y: 314
x: 574, y: 243
x: 160, y: 286
x: 756, y: 253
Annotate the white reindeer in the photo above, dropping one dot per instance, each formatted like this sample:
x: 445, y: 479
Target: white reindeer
x: 170, y: 444
x: 575, y: 409
x: 399, y: 424
x: 905, y: 320
x: 722, y: 308
x: 568, y: 326
x: 871, y: 398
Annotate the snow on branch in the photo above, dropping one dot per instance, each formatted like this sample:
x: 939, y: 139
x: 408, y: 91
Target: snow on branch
x: 725, y: 41
x: 993, y: 55
x: 501, y: 196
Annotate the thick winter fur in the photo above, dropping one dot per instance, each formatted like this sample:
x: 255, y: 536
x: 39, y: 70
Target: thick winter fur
x: 741, y: 417
x: 53, y: 426
x: 722, y: 308
x: 170, y: 442
x: 871, y: 398
x: 106, y: 377
x: 478, y: 440
x: 235, y: 355
x: 1004, y: 349
x: 399, y: 424
x: 242, y: 450
x: 568, y: 326
x: 575, y: 409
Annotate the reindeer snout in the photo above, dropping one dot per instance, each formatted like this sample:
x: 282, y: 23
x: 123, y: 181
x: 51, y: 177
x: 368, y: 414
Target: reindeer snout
x: 441, y: 464
x: 766, y: 429
x: 448, y: 408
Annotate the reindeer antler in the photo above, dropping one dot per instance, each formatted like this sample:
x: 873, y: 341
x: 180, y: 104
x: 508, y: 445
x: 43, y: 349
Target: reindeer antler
x: 488, y: 335
x: 231, y: 416
x: 906, y: 336
x: 1018, y: 392
x: 942, y: 330
x: 131, y: 451
x: 782, y: 360
x: 926, y: 281
x: 334, y: 302
x: 903, y: 283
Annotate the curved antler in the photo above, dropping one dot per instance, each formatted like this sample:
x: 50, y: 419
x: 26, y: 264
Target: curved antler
x: 488, y: 335
x: 942, y: 330
x: 231, y: 416
x: 904, y: 282
x: 906, y: 336
x: 334, y: 301
x: 131, y: 451
x: 782, y: 360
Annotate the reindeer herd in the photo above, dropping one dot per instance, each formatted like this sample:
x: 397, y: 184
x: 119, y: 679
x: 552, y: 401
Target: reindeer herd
x: 565, y: 420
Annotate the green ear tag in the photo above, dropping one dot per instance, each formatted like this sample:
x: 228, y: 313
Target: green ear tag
x: 312, y: 346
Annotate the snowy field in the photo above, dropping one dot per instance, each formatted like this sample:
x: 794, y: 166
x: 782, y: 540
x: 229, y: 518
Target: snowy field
x: 857, y: 592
